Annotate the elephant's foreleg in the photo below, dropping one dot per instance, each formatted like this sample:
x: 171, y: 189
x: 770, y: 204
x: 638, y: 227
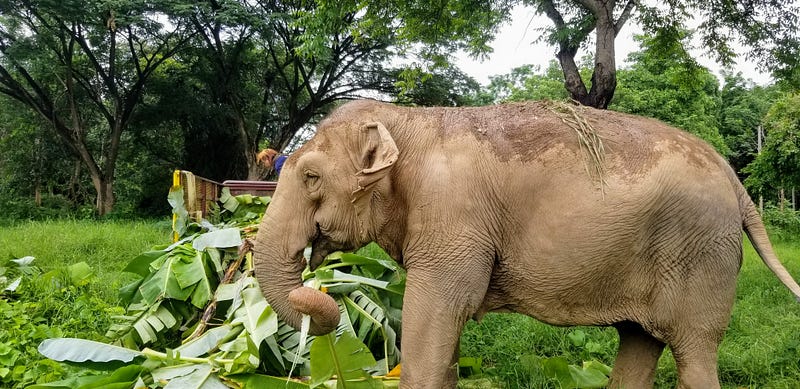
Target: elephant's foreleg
x: 637, y: 358
x: 438, y: 303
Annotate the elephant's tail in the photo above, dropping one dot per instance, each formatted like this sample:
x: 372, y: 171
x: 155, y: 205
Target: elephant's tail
x: 754, y: 227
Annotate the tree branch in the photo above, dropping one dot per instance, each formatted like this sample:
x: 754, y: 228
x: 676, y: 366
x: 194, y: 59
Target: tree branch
x: 592, y: 6
x: 625, y: 15
x: 552, y: 13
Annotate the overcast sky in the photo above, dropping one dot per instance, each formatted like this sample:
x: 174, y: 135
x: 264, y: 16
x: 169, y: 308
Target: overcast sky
x: 514, y: 47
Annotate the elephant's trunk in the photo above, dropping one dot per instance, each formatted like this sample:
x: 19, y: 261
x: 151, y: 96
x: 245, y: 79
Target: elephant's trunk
x: 279, y: 265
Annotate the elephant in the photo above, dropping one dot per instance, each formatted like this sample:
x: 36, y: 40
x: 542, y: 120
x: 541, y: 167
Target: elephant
x: 571, y: 215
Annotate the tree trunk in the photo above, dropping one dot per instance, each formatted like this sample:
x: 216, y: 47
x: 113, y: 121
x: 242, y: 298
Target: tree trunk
x: 74, y: 182
x: 572, y: 76
x: 249, y: 148
x: 37, y: 193
x: 105, y: 195
x: 604, y: 77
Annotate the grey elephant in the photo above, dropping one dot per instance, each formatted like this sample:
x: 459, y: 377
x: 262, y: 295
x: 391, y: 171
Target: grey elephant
x: 574, y: 216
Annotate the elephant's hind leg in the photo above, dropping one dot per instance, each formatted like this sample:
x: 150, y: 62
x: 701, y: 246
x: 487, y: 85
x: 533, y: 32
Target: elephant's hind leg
x: 700, y: 318
x: 637, y: 358
x: 696, y: 359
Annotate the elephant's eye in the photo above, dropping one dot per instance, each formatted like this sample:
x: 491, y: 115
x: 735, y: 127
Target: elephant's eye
x: 311, y: 180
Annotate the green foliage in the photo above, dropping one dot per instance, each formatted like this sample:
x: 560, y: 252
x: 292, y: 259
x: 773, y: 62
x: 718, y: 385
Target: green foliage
x: 760, y: 348
x: 666, y: 83
x: 88, y: 98
x: 783, y: 222
x: 521, y: 352
x: 762, y: 27
x: 30, y: 163
x: 446, y: 86
x: 528, y: 83
x: 743, y: 106
x: 445, y: 27
x: 23, y: 328
x: 591, y: 374
x: 344, y: 357
x: 12, y: 272
x: 32, y: 309
x: 778, y: 165
x: 770, y: 37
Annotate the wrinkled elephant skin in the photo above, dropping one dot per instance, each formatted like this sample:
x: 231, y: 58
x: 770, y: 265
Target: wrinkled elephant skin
x: 622, y: 222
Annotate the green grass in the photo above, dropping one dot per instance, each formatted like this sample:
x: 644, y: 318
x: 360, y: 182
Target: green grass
x: 106, y: 246
x: 52, y: 306
x: 761, y: 348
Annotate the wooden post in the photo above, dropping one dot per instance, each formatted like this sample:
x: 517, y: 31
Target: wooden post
x: 760, y: 140
x: 781, y: 198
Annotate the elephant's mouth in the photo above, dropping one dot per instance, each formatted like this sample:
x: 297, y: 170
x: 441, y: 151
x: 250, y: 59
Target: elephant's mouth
x: 322, y: 245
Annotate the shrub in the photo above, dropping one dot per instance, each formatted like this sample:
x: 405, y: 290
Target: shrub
x: 783, y: 224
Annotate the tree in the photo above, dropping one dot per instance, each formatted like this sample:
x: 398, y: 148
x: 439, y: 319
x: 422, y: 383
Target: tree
x: 744, y: 106
x: 768, y: 28
x: 666, y: 83
x: 778, y: 165
x: 443, y: 87
x: 570, y: 34
x: 323, y: 53
x: 528, y: 82
x: 32, y: 166
x: 268, y: 69
x: 83, y: 66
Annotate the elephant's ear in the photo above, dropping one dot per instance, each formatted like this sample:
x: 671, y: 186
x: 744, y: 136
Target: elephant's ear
x: 378, y: 153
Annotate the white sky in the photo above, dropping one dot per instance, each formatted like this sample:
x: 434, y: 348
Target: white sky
x: 514, y: 47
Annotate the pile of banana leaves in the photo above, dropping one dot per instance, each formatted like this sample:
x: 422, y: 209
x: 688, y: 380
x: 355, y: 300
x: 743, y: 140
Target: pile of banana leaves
x: 195, y: 316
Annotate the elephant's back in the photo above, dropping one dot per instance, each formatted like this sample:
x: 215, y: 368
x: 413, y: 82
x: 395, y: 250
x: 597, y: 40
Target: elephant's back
x: 526, y: 131
x: 635, y: 144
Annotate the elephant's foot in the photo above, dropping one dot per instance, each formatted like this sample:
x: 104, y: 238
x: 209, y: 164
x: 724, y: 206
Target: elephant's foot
x: 637, y: 358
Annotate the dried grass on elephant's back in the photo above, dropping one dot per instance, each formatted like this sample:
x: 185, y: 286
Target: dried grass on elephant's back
x: 588, y: 138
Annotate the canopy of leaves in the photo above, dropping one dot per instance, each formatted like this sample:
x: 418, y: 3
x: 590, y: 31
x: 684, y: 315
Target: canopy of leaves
x: 768, y: 30
x: 82, y: 67
x: 443, y: 87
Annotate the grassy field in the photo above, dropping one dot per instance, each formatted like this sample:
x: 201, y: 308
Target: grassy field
x: 761, y: 349
x: 106, y: 246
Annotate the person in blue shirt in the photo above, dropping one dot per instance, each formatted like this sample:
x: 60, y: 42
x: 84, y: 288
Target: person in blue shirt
x: 270, y: 158
x: 278, y: 163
